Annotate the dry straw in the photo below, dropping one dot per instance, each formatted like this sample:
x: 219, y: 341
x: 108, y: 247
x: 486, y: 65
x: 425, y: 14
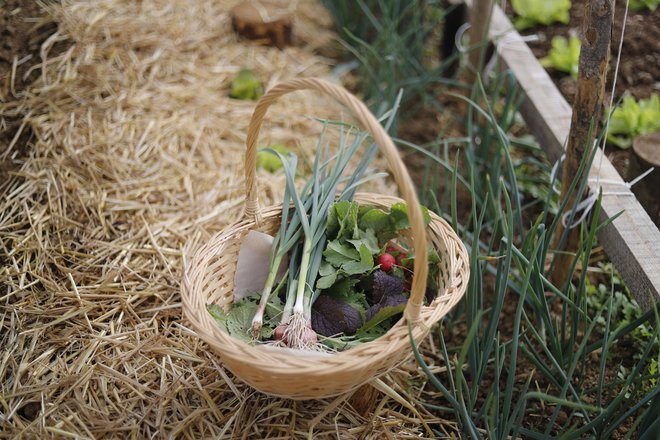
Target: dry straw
x: 134, y: 149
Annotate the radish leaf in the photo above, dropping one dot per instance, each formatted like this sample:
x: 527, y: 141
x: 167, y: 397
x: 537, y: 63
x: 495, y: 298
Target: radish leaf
x: 365, y: 264
x: 338, y: 253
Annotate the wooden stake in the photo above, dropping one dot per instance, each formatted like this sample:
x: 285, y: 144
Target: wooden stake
x: 587, y: 109
x: 479, y: 18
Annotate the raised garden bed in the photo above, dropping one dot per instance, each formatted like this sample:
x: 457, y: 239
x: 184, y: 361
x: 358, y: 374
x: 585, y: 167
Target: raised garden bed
x: 631, y: 239
x: 638, y: 74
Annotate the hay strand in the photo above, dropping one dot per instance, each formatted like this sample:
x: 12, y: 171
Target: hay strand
x: 135, y: 151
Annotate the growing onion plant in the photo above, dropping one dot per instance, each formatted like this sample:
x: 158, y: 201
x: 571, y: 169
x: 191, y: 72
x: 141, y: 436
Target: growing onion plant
x: 553, y: 330
x: 514, y: 331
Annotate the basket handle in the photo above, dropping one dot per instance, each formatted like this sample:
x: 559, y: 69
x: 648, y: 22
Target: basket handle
x: 382, y: 139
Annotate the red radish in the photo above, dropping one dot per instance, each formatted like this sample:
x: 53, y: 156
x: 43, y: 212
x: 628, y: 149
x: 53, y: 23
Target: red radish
x: 386, y: 262
x: 400, y: 258
x: 279, y: 333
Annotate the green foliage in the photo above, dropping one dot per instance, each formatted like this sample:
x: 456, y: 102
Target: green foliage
x: 637, y: 5
x: 237, y: 322
x: 533, y: 12
x: 382, y: 315
x: 389, y: 40
x: 622, y: 311
x: 564, y: 55
x: 270, y: 162
x: 354, y: 234
x: 547, y: 334
x: 522, y: 331
x: 246, y: 86
x: 633, y: 118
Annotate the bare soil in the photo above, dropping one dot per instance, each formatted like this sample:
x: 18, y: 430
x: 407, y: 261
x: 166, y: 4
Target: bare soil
x: 639, y: 70
x: 24, y: 26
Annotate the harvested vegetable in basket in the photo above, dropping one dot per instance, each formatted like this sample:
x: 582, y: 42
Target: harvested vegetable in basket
x: 309, y: 215
x: 348, y: 278
x: 354, y: 299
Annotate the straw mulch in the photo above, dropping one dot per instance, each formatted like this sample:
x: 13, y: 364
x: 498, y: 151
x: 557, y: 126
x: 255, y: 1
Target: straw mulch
x: 135, y: 151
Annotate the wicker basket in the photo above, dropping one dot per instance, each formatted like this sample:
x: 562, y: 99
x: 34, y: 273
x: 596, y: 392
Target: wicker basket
x: 209, y: 277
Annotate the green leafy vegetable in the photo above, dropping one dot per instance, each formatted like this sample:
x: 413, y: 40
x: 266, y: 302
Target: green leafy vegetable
x: 637, y: 5
x: 339, y: 253
x: 533, y: 12
x: 246, y: 86
x: 378, y: 313
x: 375, y: 219
x: 365, y: 264
x: 564, y: 55
x: 270, y: 162
x: 632, y: 119
x: 237, y: 322
x: 399, y: 216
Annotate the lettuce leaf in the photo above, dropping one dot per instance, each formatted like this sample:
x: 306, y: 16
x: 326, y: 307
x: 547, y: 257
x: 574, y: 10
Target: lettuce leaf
x: 633, y: 118
x: 651, y: 5
x: 246, y: 86
x: 533, y: 12
x: 268, y: 161
x: 564, y: 55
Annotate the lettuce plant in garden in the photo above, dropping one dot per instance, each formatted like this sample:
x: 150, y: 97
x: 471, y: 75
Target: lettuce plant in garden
x: 633, y: 118
x: 638, y: 5
x: 246, y: 86
x: 564, y: 55
x: 532, y: 12
x: 528, y: 369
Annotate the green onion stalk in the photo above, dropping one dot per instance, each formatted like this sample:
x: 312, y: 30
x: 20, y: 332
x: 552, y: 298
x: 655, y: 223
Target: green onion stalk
x: 308, y: 221
x: 286, y: 238
x: 323, y: 192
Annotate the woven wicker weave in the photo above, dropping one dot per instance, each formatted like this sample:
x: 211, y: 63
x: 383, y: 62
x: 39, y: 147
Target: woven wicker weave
x: 209, y: 277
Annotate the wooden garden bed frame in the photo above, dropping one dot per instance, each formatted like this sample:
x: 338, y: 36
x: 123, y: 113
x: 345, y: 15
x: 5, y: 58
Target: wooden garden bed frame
x: 632, y: 241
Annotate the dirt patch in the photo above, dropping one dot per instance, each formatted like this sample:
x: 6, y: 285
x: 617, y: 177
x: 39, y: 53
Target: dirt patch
x: 24, y: 26
x: 639, y: 70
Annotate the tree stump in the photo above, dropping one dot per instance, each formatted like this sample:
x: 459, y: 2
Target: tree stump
x: 647, y: 147
x: 265, y: 21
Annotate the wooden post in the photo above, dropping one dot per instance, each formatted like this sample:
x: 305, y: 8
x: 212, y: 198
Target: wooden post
x: 587, y: 109
x: 479, y: 18
x: 631, y: 239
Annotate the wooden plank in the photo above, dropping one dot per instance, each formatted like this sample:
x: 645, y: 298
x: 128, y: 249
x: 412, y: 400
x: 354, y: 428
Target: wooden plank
x: 632, y: 241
